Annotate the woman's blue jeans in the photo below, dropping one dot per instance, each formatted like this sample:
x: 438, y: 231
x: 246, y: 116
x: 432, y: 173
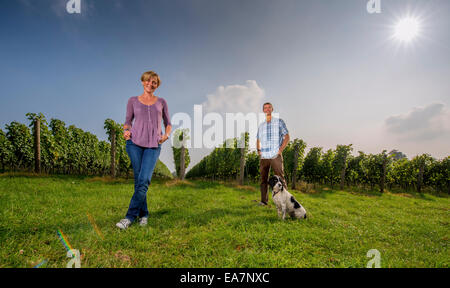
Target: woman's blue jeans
x: 143, y: 161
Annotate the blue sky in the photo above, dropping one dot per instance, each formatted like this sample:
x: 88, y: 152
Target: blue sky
x: 329, y: 67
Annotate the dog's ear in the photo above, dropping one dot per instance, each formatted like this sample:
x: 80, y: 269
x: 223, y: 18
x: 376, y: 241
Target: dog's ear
x: 272, y: 181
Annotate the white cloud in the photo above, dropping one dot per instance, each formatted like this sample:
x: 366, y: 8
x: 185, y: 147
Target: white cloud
x: 421, y: 124
x: 235, y: 98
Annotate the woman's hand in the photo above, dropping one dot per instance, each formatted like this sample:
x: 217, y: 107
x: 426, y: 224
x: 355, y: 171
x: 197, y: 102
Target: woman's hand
x: 127, y: 134
x: 163, y: 139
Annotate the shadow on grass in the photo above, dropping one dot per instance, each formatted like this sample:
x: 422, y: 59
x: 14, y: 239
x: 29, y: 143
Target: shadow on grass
x: 107, y: 180
x: 160, y: 213
x: 169, y: 218
x: 368, y: 193
x: 324, y: 192
x: 207, y: 185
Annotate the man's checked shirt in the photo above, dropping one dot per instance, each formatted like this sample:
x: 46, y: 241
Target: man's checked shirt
x: 270, y: 135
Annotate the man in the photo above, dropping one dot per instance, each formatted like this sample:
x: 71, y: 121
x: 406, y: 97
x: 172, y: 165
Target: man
x: 271, y: 139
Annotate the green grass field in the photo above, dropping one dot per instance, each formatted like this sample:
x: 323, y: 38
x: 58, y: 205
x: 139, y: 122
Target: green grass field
x: 202, y: 224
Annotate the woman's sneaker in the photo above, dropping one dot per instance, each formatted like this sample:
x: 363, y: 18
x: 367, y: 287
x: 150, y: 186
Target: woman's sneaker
x: 124, y: 224
x: 143, y: 221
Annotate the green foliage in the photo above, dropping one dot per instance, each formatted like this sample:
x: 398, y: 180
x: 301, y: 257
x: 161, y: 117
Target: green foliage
x: 311, y: 166
x: 326, y: 168
x: 340, y: 159
x: 381, y: 170
x: 222, y: 163
x: 401, y: 174
x: 437, y: 174
x: 161, y: 170
x: 61, y: 146
x: 70, y: 150
x: 374, y: 167
x: 47, y: 142
x: 252, y: 167
x: 289, y: 158
x: 123, y: 163
x: 6, y: 151
x: 180, y: 137
x: 396, y: 155
x: 356, y: 172
x: 340, y: 162
x: 65, y: 150
x: 384, y: 170
x: 21, y: 144
x: 421, y: 165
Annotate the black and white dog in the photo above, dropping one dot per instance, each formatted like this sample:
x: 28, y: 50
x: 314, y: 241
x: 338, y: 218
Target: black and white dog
x: 284, y: 200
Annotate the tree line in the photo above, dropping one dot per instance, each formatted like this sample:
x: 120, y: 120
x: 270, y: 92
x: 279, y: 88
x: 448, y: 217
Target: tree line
x: 70, y: 150
x: 66, y: 150
x: 334, y: 167
x: 222, y: 162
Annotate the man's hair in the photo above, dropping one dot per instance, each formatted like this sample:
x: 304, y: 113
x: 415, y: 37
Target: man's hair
x: 268, y: 103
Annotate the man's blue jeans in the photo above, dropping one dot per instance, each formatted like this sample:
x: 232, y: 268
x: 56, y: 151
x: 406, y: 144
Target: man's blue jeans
x: 143, y: 161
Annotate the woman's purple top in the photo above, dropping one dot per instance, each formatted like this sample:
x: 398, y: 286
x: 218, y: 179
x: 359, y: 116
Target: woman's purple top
x: 146, y: 130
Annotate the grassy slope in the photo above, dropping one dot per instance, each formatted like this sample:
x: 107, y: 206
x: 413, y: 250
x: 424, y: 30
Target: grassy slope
x: 203, y: 224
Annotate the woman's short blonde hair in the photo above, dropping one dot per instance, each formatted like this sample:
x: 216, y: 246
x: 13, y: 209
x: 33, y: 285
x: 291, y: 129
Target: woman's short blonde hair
x: 150, y: 74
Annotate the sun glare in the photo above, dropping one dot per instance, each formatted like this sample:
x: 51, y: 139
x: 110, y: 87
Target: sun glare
x: 406, y: 29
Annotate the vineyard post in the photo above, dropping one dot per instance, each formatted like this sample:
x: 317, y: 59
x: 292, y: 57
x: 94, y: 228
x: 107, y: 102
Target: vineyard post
x: 37, y: 145
x: 294, y: 168
x: 113, y: 153
x: 242, y: 167
x: 182, y: 161
x: 383, y: 176
x: 420, y: 176
x: 343, y: 151
x: 343, y: 175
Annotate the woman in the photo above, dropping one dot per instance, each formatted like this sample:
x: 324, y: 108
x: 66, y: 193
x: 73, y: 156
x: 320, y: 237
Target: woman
x: 143, y: 143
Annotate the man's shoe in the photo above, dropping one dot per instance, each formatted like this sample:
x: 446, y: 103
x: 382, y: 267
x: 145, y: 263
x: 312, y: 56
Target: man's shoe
x: 123, y: 224
x: 262, y: 204
x: 143, y: 221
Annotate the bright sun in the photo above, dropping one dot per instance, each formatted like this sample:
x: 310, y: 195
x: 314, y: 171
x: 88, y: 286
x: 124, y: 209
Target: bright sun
x: 407, y: 29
